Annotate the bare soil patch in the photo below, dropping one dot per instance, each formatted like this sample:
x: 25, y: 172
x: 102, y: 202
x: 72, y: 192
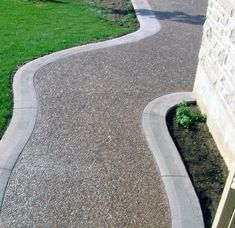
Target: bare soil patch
x: 204, y: 164
x: 118, y: 11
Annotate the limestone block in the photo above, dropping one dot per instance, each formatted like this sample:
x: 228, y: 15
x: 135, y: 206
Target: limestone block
x: 228, y: 6
x: 232, y: 36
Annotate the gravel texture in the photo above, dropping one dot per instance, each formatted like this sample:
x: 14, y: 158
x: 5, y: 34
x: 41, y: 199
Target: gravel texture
x: 87, y: 163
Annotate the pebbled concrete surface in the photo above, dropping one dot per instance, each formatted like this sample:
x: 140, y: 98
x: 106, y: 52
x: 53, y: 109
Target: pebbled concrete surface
x: 87, y: 163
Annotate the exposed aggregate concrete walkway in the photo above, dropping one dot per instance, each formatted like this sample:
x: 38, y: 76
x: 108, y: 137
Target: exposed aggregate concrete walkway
x: 87, y: 163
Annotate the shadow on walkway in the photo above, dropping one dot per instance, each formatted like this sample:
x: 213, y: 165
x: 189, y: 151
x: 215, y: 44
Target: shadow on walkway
x: 176, y: 16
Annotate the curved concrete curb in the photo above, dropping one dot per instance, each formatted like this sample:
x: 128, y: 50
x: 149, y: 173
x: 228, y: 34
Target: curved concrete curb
x: 25, y: 98
x: 184, y: 206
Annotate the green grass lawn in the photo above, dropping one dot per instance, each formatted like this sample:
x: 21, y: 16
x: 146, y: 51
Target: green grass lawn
x: 33, y: 28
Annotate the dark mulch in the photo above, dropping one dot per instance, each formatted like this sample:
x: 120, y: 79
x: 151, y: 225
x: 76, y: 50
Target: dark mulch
x: 203, y: 162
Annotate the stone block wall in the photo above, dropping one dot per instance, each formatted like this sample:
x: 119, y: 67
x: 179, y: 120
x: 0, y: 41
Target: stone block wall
x: 214, y: 85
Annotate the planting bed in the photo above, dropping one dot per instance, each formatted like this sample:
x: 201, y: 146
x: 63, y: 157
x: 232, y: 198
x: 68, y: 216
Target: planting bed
x: 203, y: 162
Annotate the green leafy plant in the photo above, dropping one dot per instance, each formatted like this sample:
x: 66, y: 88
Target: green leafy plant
x: 198, y: 117
x: 185, y: 121
x: 186, y: 118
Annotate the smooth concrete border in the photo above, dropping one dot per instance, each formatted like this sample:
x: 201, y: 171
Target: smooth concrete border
x: 25, y: 99
x: 184, y: 205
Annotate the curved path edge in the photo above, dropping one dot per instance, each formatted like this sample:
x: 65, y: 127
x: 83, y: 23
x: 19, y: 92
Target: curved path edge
x: 25, y: 98
x: 185, y: 210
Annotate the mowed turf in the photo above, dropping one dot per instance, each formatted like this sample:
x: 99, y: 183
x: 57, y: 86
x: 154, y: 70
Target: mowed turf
x: 29, y: 29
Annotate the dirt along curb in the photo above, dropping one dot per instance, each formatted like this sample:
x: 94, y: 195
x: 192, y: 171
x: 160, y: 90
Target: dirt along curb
x: 25, y: 98
x: 185, y: 210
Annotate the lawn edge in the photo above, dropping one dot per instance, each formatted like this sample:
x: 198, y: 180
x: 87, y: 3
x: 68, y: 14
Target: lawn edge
x: 185, y: 209
x: 25, y: 98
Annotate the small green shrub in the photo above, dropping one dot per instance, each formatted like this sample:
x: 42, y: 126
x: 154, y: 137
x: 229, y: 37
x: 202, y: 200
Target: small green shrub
x: 182, y: 111
x: 185, y: 121
x: 198, y: 117
x: 185, y: 118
